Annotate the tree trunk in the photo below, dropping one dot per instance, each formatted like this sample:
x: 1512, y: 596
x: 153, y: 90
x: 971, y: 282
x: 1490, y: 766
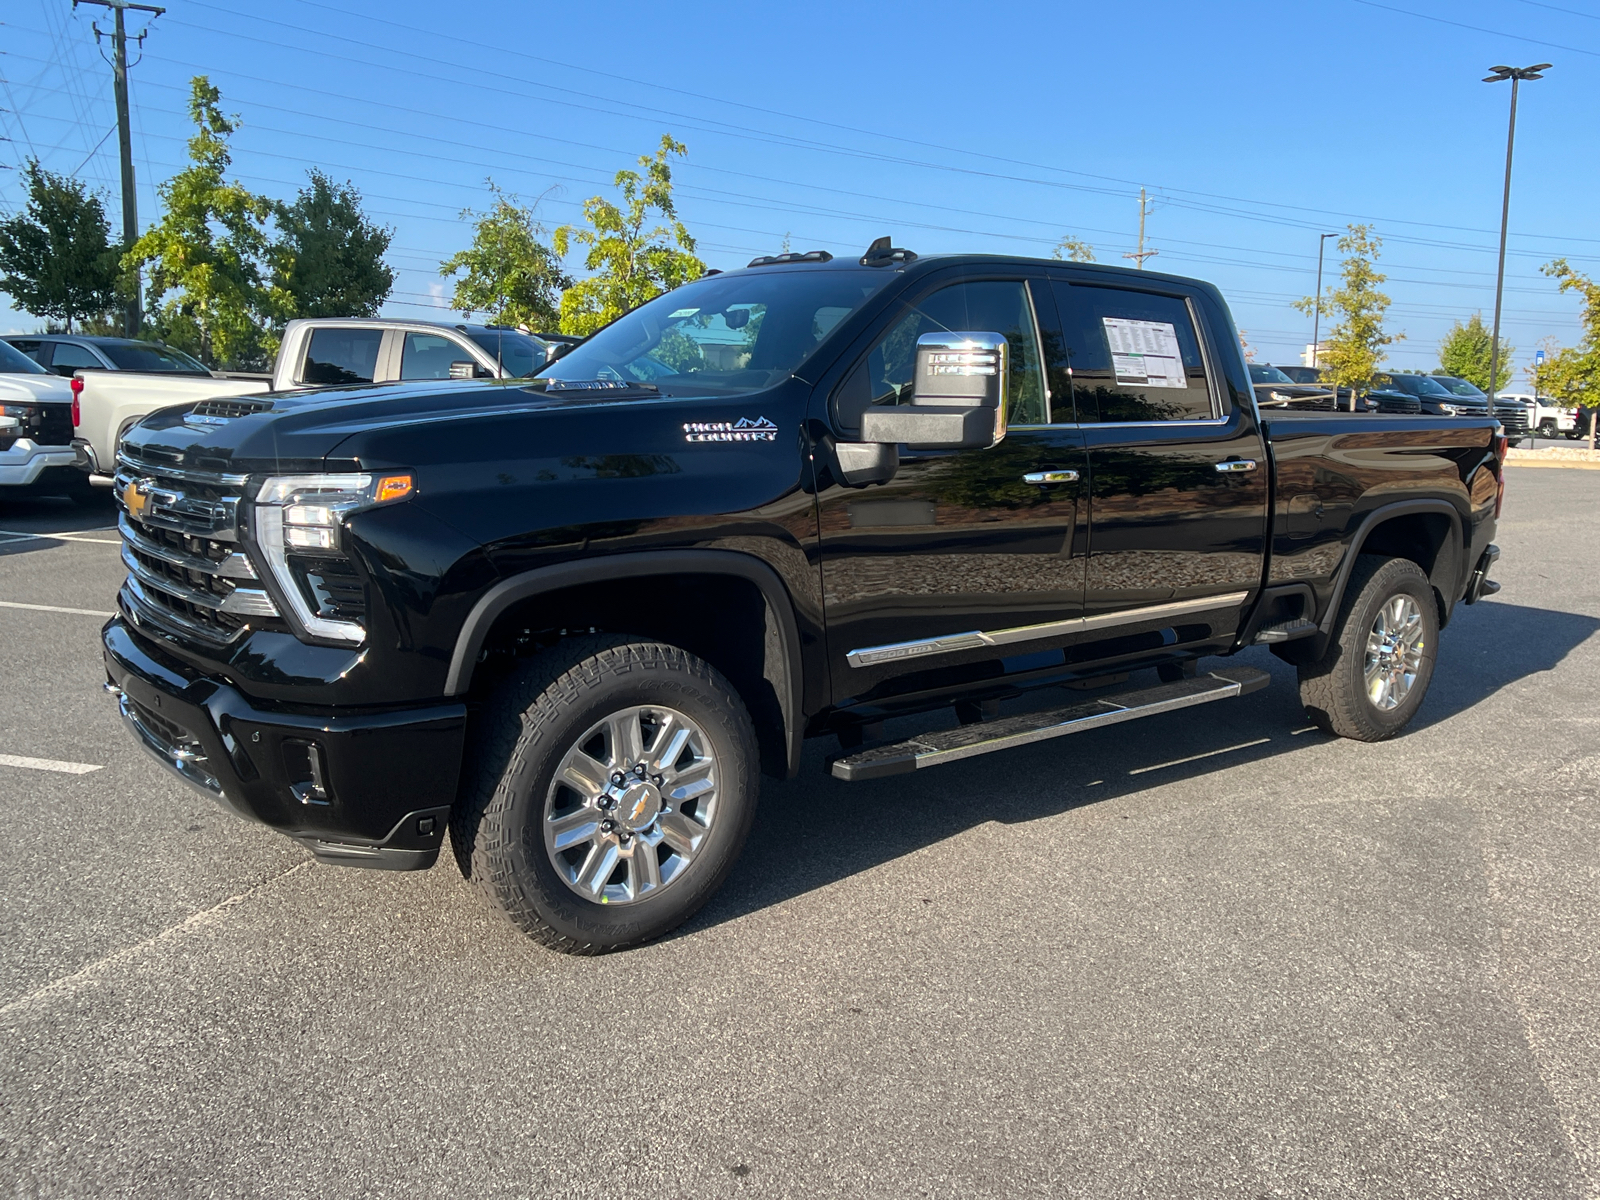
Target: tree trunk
x: 1594, y: 414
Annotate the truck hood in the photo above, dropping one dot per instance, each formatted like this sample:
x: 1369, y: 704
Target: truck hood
x: 30, y: 389
x: 304, y: 430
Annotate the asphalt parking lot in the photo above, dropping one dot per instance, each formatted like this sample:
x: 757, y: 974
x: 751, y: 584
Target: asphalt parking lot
x: 1208, y: 954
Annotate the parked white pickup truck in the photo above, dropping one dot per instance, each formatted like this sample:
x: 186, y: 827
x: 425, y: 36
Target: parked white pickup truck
x: 321, y: 352
x: 1545, y: 416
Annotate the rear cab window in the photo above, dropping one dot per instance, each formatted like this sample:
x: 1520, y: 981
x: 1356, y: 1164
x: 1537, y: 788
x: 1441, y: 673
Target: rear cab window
x: 1135, y: 356
x: 341, y: 355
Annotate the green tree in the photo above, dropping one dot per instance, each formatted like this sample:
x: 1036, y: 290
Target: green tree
x: 327, y: 260
x: 1465, y: 353
x: 512, y: 276
x: 56, y: 256
x: 1350, y: 355
x: 631, y: 259
x: 1073, y: 250
x: 1572, y: 375
x: 207, y: 293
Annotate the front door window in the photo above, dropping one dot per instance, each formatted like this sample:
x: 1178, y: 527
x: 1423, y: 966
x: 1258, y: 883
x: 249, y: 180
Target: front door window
x: 959, y: 541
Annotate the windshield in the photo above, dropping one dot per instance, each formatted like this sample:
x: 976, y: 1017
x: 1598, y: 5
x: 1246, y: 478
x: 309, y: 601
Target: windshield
x: 1459, y: 387
x: 1265, y: 374
x: 142, y: 356
x: 517, y: 353
x: 15, y: 362
x: 726, y: 335
x: 1418, y: 385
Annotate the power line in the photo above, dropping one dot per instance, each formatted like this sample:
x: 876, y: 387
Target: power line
x: 1517, y: 37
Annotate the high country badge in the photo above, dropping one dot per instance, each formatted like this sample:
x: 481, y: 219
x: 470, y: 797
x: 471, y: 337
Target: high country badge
x: 742, y: 430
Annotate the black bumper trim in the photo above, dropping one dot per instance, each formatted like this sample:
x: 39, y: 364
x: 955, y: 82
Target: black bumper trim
x: 391, y: 776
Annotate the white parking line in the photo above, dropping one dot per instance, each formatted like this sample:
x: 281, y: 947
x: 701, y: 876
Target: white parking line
x: 1178, y: 762
x: 82, y: 612
x: 69, y: 536
x: 47, y: 764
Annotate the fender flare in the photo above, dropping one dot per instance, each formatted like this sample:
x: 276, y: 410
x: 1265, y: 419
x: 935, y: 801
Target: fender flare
x: 1402, y: 508
x: 610, y: 567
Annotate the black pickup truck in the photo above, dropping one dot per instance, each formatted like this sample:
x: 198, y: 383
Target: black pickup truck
x: 572, y: 619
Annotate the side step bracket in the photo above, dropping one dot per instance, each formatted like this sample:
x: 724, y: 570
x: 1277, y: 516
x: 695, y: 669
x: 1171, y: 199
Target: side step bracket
x: 968, y: 741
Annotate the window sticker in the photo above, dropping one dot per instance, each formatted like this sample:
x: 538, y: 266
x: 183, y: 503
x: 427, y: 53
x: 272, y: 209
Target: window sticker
x: 1145, y: 353
x: 678, y: 314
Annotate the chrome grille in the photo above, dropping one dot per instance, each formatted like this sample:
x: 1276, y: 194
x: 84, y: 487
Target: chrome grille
x: 185, y: 570
x: 1513, y: 417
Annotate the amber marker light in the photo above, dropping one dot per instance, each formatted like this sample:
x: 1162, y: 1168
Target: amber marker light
x: 393, y: 487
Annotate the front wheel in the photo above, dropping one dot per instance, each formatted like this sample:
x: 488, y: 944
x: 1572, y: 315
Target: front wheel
x: 1379, y: 662
x: 611, y: 788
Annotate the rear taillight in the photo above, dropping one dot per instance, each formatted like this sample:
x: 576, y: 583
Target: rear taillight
x: 77, y: 413
x: 1501, y: 444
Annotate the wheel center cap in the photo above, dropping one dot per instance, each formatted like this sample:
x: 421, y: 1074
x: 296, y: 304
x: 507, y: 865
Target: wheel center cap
x: 639, y: 806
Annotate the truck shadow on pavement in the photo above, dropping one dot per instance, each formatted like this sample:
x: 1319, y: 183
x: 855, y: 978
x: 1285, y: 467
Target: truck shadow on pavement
x: 35, y: 515
x: 814, y: 830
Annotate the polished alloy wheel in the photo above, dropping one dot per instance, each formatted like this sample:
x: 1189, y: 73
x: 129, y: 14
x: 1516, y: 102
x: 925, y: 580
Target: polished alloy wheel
x: 1394, y: 652
x: 631, y: 804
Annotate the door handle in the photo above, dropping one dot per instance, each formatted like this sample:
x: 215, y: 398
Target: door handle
x: 1235, y: 465
x: 1047, y: 477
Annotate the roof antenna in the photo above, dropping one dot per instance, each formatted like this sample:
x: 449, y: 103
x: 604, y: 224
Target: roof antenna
x: 883, y: 252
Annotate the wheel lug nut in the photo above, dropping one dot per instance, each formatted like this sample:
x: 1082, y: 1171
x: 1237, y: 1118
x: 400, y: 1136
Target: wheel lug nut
x: 638, y: 771
x: 618, y: 777
x: 656, y: 779
x: 607, y: 826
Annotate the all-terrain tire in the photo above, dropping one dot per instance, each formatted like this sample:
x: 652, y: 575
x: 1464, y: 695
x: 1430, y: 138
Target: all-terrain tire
x: 519, y: 741
x: 1334, y: 688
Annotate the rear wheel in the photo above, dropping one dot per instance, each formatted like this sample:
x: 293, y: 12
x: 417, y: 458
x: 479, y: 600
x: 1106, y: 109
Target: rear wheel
x: 1547, y: 428
x: 613, y: 785
x: 1379, y: 662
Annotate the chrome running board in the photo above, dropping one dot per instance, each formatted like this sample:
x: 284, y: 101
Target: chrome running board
x: 968, y: 741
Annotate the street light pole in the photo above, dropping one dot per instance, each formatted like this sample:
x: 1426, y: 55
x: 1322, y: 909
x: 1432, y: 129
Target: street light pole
x: 1316, y: 306
x: 1500, y: 75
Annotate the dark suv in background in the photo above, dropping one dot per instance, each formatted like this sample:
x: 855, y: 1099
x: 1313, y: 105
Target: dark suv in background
x: 64, y: 353
x: 1512, y: 414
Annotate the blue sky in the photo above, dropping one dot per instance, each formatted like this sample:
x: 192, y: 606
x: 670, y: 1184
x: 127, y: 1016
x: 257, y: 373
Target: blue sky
x: 1254, y: 125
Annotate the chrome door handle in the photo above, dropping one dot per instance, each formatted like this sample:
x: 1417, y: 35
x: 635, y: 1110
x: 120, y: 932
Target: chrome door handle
x: 1234, y: 465
x: 1044, y: 477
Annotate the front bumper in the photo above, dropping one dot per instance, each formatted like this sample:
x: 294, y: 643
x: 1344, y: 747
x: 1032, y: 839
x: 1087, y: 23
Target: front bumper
x: 26, y: 460
x: 370, y: 789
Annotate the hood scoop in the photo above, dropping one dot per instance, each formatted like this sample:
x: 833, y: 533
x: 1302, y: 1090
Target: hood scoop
x: 219, y: 412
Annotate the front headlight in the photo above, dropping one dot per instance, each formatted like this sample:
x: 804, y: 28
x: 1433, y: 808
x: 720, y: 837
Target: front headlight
x: 299, y: 526
x: 1281, y: 397
x: 1449, y: 410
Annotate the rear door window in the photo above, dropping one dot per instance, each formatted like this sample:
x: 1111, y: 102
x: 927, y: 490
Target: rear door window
x: 1135, y: 356
x: 33, y: 348
x: 340, y: 355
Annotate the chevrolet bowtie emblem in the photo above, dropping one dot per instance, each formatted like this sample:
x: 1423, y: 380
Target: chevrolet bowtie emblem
x: 136, y: 497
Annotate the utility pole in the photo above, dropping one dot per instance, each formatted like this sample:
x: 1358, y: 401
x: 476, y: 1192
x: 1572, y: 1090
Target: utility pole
x: 1141, y: 254
x: 119, y: 77
x: 1500, y: 75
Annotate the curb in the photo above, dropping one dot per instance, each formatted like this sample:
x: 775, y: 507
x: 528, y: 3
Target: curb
x: 1570, y: 464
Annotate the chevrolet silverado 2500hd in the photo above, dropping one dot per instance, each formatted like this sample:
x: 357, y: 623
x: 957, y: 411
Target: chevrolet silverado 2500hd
x: 572, y: 619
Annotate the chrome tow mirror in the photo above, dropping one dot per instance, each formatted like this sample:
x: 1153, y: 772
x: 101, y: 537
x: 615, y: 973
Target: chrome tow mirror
x: 958, y: 399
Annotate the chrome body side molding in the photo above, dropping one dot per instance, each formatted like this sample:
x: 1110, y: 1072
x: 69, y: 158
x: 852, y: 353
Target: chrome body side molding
x: 977, y: 639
